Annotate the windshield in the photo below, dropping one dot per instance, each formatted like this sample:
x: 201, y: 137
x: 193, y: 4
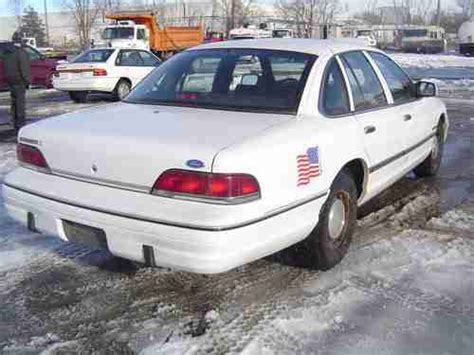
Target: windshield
x: 94, y: 56
x: 415, y: 33
x: 281, y: 33
x: 118, y: 33
x: 233, y: 79
x: 364, y: 33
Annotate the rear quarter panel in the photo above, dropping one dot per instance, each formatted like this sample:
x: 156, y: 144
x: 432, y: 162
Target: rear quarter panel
x: 272, y: 157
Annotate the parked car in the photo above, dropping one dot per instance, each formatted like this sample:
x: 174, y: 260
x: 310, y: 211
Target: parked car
x: 42, y: 68
x: 229, y: 152
x: 107, y: 70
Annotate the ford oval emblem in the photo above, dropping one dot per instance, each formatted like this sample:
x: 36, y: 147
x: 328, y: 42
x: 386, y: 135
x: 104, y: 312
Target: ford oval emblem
x: 194, y: 163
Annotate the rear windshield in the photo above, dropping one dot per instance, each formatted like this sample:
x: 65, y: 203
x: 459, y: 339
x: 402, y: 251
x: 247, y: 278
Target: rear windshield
x: 94, y: 56
x: 233, y: 79
x: 415, y: 33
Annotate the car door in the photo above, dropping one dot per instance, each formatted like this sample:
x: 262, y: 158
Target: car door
x: 129, y: 65
x: 39, y: 68
x: 378, y: 123
x: 414, y: 113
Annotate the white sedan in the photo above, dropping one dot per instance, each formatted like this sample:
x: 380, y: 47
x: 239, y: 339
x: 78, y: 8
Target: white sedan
x: 229, y: 152
x: 106, y: 70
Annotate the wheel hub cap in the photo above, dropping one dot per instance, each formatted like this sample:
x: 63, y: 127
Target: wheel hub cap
x: 435, y: 151
x: 123, y: 91
x: 337, y: 218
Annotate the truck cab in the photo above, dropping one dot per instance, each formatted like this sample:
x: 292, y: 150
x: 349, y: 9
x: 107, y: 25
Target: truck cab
x: 126, y: 34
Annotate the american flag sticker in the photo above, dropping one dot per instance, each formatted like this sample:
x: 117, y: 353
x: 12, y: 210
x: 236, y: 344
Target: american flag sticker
x: 308, y: 166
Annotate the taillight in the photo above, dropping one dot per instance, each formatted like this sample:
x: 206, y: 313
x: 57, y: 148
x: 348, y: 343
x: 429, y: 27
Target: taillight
x: 227, y: 188
x: 100, y: 72
x: 31, y: 157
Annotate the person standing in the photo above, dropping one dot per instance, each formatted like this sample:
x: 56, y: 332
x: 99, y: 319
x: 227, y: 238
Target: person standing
x: 17, y: 71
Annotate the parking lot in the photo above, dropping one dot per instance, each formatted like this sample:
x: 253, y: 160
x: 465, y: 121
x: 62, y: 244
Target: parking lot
x: 406, y: 285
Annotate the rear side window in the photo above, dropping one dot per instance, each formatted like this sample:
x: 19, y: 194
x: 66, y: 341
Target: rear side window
x: 3, y: 50
x: 94, y: 56
x: 149, y: 60
x: 130, y: 58
x: 335, y: 100
x: 34, y: 55
x: 365, y: 85
x: 399, y: 83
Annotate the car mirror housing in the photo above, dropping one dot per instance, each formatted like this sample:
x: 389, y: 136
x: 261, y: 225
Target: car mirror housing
x: 425, y: 88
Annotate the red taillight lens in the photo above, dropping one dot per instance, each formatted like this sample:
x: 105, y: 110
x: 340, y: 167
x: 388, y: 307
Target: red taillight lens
x: 207, y: 185
x: 100, y: 72
x: 31, y: 156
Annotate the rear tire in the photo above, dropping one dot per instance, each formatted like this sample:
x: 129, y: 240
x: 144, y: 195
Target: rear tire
x: 122, y: 89
x: 329, y: 241
x: 430, y: 166
x: 78, y: 96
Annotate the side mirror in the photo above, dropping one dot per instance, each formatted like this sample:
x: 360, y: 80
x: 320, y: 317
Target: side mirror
x: 426, y: 88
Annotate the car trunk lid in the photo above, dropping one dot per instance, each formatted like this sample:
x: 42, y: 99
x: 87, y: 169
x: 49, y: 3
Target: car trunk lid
x: 129, y: 145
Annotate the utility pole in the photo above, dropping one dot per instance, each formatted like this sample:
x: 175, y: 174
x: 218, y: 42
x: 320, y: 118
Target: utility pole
x: 232, y: 14
x: 438, y: 14
x: 46, y: 21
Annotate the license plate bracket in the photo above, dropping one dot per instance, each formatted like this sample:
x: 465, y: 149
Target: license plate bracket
x: 83, y: 234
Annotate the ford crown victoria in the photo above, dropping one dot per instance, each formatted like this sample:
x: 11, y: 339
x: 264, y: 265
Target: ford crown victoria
x: 229, y: 152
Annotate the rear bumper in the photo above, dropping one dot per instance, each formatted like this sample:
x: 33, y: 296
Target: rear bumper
x: 86, y: 84
x: 186, y: 248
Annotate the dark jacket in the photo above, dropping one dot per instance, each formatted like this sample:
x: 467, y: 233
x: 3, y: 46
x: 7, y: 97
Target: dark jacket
x: 17, y: 66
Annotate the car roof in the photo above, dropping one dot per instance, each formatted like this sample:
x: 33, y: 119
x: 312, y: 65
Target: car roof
x: 318, y: 47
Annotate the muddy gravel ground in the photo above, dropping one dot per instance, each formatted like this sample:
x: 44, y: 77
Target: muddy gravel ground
x: 406, y: 286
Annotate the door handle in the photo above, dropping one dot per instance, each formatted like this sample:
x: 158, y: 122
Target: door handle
x: 407, y: 117
x: 369, y: 129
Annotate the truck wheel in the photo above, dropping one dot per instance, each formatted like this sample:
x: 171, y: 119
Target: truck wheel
x: 430, y: 166
x: 122, y: 90
x: 49, y: 81
x: 78, y: 96
x: 329, y: 241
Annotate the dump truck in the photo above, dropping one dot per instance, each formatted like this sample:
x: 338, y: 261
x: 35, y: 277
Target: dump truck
x: 466, y: 38
x: 141, y: 30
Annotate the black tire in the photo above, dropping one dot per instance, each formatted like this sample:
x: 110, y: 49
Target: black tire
x: 430, y: 166
x: 122, y: 89
x: 78, y: 96
x: 323, y: 249
x: 49, y: 81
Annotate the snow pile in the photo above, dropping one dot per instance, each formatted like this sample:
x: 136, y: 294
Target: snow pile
x: 453, y: 88
x: 432, y: 61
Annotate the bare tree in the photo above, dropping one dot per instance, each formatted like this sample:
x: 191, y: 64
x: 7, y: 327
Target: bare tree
x: 467, y: 8
x: 85, y: 13
x: 371, y: 14
x: 307, y: 14
x: 423, y: 11
x: 235, y: 12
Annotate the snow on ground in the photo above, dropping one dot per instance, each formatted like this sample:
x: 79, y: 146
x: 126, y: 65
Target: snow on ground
x: 407, y: 291
x: 432, y: 61
x: 17, y: 245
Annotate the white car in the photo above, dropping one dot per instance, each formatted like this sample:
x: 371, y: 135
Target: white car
x: 229, y: 152
x: 107, y: 70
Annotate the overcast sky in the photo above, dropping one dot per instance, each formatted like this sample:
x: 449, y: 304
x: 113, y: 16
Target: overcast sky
x: 353, y: 5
